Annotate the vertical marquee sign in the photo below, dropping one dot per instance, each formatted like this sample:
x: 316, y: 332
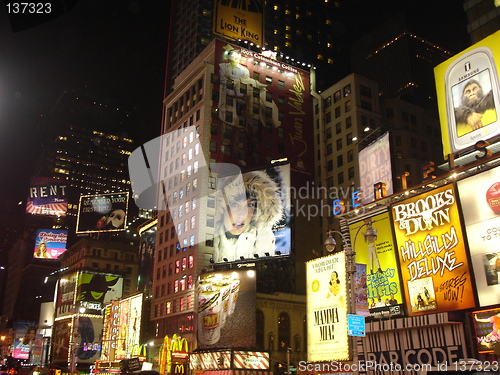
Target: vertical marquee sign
x: 327, y: 302
x: 432, y: 254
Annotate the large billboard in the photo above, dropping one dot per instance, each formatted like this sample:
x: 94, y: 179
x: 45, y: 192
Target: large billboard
x: 468, y: 93
x: 373, y: 242
x: 25, y: 335
x: 253, y: 215
x: 50, y: 243
x: 269, y: 101
x: 226, y: 309
x: 96, y: 290
x: 487, y: 327
x: 102, y: 213
x: 432, y: 254
x: 375, y: 167
x: 47, y: 196
x: 327, y: 303
x: 239, y: 20
x: 480, y: 202
x: 66, y: 293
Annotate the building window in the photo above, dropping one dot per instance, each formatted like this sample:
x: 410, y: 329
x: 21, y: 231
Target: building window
x: 348, y: 122
x: 337, y: 112
x: 340, y: 160
x: 283, y: 332
x: 350, y: 173
x: 365, y: 91
x: 339, y: 144
x: 348, y: 106
x: 338, y: 128
x: 340, y: 178
x: 328, y: 101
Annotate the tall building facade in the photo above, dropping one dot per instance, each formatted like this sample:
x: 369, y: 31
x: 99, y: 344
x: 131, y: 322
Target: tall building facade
x: 214, y: 123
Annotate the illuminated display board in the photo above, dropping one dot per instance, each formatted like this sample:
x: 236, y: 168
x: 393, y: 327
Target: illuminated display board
x: 253, y: 215
x: 47, y: 197
x: 50, y: 243
x: 102, y: 213
x: 375, y: 167
x: 468, y: 93
x: 226, y: 309
x: 373, y: 242
x: 241, y: 20
x: 432, y: 253
x: 95, y: 290
x: 327, y: 302
x: 487, y: 327
x: 480, y: 203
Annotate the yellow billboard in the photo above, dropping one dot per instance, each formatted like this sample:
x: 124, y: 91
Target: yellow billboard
x: 239, y: 20
x: 468, y: 94
x: 373, y: 242
x: 432, y: 254
x: 327, y: 302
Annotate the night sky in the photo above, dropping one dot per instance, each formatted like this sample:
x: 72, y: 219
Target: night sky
x: 116, y: 48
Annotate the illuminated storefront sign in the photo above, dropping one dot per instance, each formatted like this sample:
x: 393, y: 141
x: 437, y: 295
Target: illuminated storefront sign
x: 327, y: 302
x: 481, y: 212
x: 373, y: 242
x: 47, y: 196
x: 432, y: 254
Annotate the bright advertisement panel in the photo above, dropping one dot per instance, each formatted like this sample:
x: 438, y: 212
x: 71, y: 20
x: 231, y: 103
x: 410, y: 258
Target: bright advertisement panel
x: 468, y: 93
x: 102, y: 213
x: 375, y: 167
x: 258, y: 91
x: 487, y: 327
x: 226, y: 309
x: 129, y: 324
x: 253, y: 215
x: 24, y: 338
x: 481, y: 212
x: 66, y: 289
x: 327, y: 303
x: 373, y: 242
x: 47, y: 196
x: 432, y: 254
x: 60, y: 337
x: 96, y: 290
x: 50, y: 243
x: 239, y: 20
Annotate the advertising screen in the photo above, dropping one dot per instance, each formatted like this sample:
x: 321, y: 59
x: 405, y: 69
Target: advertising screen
x: 239, y: 20
x: 102, y: 213
x: 253, y: 215
x: 432, y: 254
x: 468, y: 93
x: 327, y: 302
x: 129, y: 324
x: 226, y: 309
x: 481, y: 212
x: 50, y: 243
x: 375, y: 167
x: 47, y: 196
x: 66, y: 289
x: 374, y: 245
x: 267, y: 99
x: 487, y: 327
x: 96, y: 290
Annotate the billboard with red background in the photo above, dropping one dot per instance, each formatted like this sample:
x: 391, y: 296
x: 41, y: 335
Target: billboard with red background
x: 432, y: 253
